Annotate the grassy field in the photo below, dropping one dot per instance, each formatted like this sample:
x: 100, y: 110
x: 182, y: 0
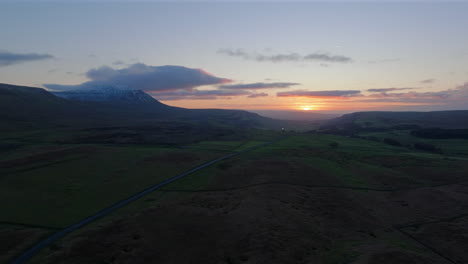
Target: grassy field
x: 74, y: 182
x: 324, y: 198
x: 47, y: 184
x: 356, y: 162
x: 50, y: 184
x: 451, y: 147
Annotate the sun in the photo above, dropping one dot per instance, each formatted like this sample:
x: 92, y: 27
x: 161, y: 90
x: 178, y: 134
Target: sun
x: 306, y: 108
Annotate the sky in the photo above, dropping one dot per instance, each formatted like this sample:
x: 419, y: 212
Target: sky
x: 337, y: 56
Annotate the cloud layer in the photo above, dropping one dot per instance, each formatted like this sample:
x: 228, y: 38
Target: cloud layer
x: 144, y: 77
x: 255, y: 95
x: 259, y: 85
x: 289, y: 57
x: 456, y: 98
x: 384, y: 90
x: 198, y: 94
x: 305, y: 93
x: 432, y: 80
x: 10, y: 58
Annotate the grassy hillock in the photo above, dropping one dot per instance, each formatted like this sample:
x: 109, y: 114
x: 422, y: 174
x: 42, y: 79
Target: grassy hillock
x: 384, y: 120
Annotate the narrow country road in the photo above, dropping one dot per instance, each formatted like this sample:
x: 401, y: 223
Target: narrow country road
x: 26, y: 255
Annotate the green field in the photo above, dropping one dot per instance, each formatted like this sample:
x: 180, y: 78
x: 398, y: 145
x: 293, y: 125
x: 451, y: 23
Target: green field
x: 450, y: 147
x: 356, y: 162
x: 49, y: 186
x: 55, y: 185
x: 82, y: 180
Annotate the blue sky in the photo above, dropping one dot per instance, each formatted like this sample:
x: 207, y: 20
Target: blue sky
x: 422, y: 46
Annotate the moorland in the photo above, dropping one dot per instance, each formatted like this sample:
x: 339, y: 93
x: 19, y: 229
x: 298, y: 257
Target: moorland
x: 369, y: 187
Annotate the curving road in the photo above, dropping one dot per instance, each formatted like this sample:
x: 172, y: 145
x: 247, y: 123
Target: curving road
x: 26, y: 255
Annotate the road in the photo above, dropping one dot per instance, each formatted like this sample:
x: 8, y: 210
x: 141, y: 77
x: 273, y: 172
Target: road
x: 26, y: 255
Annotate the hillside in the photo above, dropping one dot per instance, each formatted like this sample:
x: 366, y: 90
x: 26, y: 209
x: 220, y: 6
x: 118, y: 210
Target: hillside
x: 375, y: 120
x: 299, y: 115
x: 111, y: 95
x: 28, y: 107
x: 35, y: 107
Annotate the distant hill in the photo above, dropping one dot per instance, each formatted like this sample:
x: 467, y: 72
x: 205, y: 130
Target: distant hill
x: 29, y: 107
x: 137, y: 101
x: 295, y: 115
x: 457, y: 119
x: 12, y: 95
x: 111, y: 95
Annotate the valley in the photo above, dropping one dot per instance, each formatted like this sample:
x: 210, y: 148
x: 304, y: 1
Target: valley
x: 233, y: 132
x: 338, y: 191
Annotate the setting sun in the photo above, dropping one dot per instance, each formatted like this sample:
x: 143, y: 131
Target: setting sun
x: 306, y: 108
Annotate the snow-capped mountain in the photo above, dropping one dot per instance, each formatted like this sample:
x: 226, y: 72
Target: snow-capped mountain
x: 109, y: 95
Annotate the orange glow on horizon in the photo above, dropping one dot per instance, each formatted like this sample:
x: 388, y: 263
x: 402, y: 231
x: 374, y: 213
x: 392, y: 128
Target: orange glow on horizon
x: 291, y: 104
x: 307, y: 107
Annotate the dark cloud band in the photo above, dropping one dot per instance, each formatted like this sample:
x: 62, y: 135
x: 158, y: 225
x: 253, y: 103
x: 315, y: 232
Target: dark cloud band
x: 384, y: 90
x: 143, y: 77
x: 259, y: 85
x: 10, y: 58
x: 255, y: 95
x: 305, y: 93
x: 427, y: 81
x: 198, y: 94
x: 290, y: 57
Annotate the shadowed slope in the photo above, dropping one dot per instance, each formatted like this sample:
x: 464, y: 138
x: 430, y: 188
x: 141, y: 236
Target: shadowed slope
x: 443, y: 119
x: 28, y: 107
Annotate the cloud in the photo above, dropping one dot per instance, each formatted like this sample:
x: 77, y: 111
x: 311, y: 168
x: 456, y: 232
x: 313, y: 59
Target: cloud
x: 198, y: 94
x: 10, y: 58
x: 305, y: 93
x: 382, y: 61
x: 412, y: 95
x: 278, y: 57
x: 259, y: 85
x: 289, y: 57
x: 118, y: 62
x: 428, y: 81
x: 460, y: 93
x: 456, y: 98
x: 448, y: 99
x: 144, y: 77
x: 384, y: 90
x: 327, y: 58
x: 255, y: 95
x: 234, y: 53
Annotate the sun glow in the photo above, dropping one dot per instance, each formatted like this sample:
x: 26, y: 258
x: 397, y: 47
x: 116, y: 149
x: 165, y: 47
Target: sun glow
x: 306, y: 108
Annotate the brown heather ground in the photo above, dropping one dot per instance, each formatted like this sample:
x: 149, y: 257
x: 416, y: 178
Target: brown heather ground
x: 286, y: 204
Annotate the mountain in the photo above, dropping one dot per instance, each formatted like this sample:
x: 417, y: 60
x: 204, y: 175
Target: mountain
x: 29, y: 108
x: 16, y: 96
x: 111, y: 95
x: 139, y: 102
x: 455, y: 119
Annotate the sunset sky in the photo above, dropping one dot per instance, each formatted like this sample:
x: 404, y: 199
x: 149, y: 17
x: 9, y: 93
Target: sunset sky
x: 340, y: 56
